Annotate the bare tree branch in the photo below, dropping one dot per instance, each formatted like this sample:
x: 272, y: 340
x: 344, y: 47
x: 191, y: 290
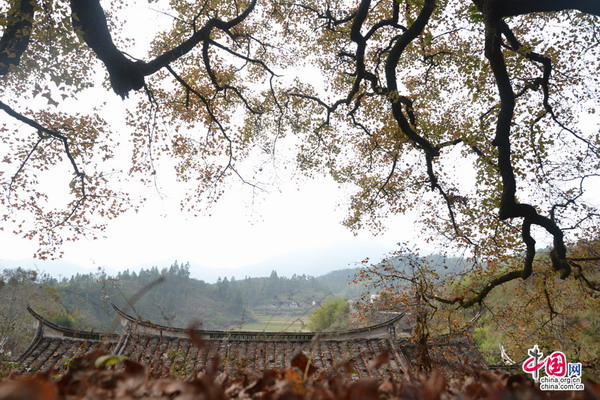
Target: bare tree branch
x: 57, y: 135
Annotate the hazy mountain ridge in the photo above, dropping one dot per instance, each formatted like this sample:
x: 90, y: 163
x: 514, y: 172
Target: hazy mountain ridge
x: 181, y: 299
x: 314, y: 262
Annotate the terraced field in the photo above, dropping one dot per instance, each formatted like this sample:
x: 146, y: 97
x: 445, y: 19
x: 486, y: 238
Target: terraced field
x: 276, y: 323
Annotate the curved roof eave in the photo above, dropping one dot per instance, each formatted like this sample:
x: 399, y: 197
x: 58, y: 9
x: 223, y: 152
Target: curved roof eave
x: 50, y: 329
x: 381, y: 329
x: 36, y: 339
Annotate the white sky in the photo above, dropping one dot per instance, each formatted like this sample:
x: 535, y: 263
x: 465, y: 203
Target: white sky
x: 239, y: 232
x: 292, y: 220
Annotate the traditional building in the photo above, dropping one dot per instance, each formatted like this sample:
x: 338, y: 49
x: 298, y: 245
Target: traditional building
x: 187, y: 352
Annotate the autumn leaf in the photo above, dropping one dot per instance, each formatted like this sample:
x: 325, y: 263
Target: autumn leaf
x: 303, y: 364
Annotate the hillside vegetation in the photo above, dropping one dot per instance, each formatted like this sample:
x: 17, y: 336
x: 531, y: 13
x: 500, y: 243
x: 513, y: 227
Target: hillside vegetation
x: 167, y: 296
x: 171, y: 297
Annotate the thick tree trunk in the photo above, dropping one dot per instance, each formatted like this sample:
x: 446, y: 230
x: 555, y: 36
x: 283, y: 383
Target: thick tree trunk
x: 510, y: 8
x: 15, y: 39
x: 89, y: 19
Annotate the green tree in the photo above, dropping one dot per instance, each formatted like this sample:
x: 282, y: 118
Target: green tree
x: 545, y: 310
x: 20, y: 288
x: 332, y: 315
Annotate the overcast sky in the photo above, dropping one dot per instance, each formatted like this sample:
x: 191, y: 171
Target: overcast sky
x: 285, y: 229
x: 292, y: 226
x: 289, y: 227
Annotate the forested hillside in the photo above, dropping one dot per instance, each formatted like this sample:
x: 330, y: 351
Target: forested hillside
x: 179, y: 299
x: 176, y: 299
x: 170, y: 296
x: 167, y: 296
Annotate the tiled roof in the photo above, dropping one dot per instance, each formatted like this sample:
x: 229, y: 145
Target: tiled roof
x: 449, y: 353
x: 382, y: 330
x: 175, y: 351
x: 53, y: 346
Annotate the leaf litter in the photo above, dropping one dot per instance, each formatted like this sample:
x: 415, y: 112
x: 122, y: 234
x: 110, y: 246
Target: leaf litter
x: 89, y: 378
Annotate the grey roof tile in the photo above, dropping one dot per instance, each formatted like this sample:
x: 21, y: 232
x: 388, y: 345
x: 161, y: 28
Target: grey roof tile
x: 170, y: 351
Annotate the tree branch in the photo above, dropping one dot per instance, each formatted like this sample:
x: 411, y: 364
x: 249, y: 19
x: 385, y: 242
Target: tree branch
x: 509, y: 207
x: 15, y: 38
x: 90, y: 22
x: 57, y: 135
x: 511, y: 8
x: 126, y: 75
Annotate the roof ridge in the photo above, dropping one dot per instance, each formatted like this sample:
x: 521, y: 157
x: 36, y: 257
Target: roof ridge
x: 157, y: 329
x: 59, y: 330
x: 48, y: 328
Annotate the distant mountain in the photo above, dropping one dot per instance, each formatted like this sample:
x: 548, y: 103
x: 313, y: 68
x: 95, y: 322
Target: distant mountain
x: 340, y: 282
x: 176, y: 299
x: 441, y: 264
x: 334, y: 266
x: 314, y: 262
x: 182, y: 298
x: 54, y: 268
x: 317, y: 262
